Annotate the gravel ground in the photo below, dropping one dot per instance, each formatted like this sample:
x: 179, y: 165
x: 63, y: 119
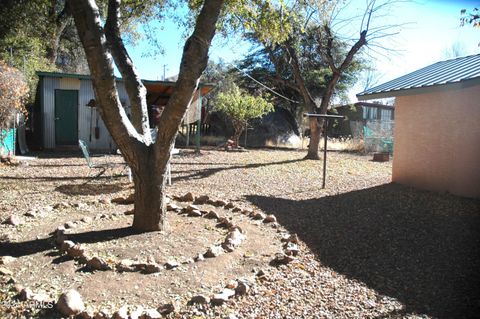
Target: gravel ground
x: 370, y: 249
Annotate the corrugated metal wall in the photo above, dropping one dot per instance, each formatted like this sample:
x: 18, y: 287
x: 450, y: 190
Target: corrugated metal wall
x: 87, y: 118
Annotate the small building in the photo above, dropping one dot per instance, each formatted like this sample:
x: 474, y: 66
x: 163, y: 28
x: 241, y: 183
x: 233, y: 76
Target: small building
x: 64, y: 111
x: 357, y: 115
x: 437, y: 126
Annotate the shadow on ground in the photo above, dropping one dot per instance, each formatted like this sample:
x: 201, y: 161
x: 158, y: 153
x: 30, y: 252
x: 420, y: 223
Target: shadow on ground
x: 419, y: 247
x: 19, y: 249
x: 90, y: 189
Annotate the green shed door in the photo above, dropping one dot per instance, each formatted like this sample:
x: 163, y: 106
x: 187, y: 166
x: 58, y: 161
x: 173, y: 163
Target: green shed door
x: 66, y: 117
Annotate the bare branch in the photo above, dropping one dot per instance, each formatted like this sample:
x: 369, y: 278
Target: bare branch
x: 91, y: 33
x: 133, y: 84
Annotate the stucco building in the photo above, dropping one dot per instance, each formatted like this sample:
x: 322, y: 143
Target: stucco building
x: 437, y: 126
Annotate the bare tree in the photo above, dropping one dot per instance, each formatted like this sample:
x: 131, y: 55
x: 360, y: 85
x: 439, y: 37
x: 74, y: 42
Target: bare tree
x: 323, y: 16
x: 103, y: 45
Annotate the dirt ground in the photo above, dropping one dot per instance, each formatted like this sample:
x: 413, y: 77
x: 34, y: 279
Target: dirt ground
x: 369, y: 248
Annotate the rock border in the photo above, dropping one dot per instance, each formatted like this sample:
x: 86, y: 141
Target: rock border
x: 234, y: 289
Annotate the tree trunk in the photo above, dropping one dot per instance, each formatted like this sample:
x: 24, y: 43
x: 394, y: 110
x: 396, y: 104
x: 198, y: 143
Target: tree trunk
x: 315, y: 134
x: 150, y: 201
x: 238, y: 129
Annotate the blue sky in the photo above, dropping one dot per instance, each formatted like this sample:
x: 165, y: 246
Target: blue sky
x: 431, y: 27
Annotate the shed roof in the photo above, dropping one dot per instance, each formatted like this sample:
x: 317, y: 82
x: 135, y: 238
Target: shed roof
x: 163, y: 87
x: 457, y: 72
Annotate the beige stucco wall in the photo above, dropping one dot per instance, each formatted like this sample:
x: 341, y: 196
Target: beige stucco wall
x: 437, y: 141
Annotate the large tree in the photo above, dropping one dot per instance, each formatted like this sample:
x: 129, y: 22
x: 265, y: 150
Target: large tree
x: 103, y: 45
x: 316, y: 21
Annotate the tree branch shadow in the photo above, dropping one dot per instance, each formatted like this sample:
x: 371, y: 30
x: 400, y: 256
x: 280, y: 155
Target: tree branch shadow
x: 30, y: 247
x: 419, y: 247
x: 207, y: 172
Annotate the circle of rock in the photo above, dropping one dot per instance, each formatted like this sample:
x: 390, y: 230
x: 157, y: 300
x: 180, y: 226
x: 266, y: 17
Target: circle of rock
x: 235, y: 236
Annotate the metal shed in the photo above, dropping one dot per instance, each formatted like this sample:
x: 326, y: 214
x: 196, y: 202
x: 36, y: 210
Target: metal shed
x: 63, y: 115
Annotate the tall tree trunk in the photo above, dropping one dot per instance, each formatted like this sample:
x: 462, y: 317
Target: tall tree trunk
x: 315, y: 134
x: 150, y: 200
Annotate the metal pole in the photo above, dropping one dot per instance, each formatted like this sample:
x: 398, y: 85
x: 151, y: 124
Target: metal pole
x: 325, y: 124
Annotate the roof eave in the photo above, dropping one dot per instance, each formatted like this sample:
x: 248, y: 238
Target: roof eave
x: 420, y: 90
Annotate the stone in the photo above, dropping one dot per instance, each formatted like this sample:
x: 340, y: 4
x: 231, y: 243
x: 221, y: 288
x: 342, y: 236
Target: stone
x: 60, y: 236
x: 242, y: 288
x: 70, y: 225
x: 13, y: 220
x: 173, y: 207
x: 103, y: 314
x: 259, y: 216
x: 291, y: 249
x: 199, y: 299
x: 129, y: 212
x: 76, y: 251
x: 136, y: 313
x: 5, y: 272
x: 233, y: 240
x: 218, y: 203
x: 219, y: 299
x: 290, y: 239
x: 212, y: 215
x: 70, y: 303
x: 31, y: 213
x: 232, y: 284
x: 195, y: 213
x: 25, y: 294
x: 88, y: 313
x: 7, y: 260
x: 214, y: 251
x: 61, y: 205
x: 66, y: 245
x: 171, y: 264
x: 166, y: 309
x: 188, y: 197
x: 236, y: 209
x: 126, y: 265
x: 190, y: 208
x: 224, y: 222
x: 18, y: 288
x: 151, y: 314
x: 247, y: 212
x: 80, y: 206
x: 229, y: 205
x: 270, y: 219
x: 97, y: 263
x: 121, y: 313
x: 284, y: 259
x: 86, y: 220
x: 200, y: 200
x: 151, y: 268
x: 200, y: 257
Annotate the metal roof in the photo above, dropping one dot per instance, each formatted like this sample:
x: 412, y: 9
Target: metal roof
x: 88, y: 77
x: 462, y: 71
